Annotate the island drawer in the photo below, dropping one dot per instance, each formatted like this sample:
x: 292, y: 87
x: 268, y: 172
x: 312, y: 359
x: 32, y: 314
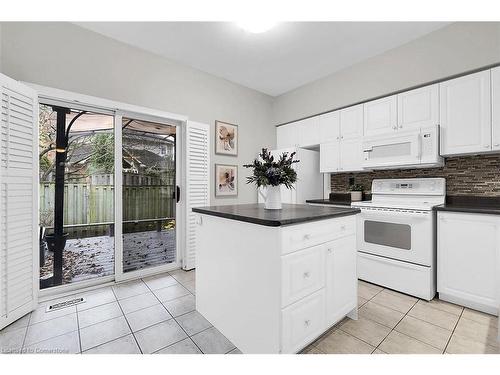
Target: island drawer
x: 302, y: 273
x: 301, y: 236
x: 302, y: 322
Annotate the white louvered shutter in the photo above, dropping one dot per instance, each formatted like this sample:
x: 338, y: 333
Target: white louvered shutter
x: 18, y: 200
x: 197, y: 184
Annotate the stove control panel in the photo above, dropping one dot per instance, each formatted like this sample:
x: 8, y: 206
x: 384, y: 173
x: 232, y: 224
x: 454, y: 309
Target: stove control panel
x: 414, y: 186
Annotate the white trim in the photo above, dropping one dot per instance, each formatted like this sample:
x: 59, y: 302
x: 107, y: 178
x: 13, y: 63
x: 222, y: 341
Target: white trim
x: 76, y: 99
x: 118, y: 217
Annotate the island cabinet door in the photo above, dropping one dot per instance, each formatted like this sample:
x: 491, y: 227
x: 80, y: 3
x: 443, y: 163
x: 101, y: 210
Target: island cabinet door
x: 341, y: 278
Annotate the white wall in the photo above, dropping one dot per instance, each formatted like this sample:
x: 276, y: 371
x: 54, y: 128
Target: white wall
x: 451, y: 50
x: 69, y: 57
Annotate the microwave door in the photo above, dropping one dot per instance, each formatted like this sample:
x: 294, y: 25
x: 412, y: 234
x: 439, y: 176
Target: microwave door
x: 392, y: 151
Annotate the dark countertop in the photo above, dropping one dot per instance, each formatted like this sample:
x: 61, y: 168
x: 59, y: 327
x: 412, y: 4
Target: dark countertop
x: 289, y: 214
x: 330, y: 202
x: 338, y: 199
x: 471, y: 204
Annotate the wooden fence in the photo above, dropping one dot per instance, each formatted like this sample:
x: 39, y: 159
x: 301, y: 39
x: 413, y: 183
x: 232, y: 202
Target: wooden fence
x: 86, y: 204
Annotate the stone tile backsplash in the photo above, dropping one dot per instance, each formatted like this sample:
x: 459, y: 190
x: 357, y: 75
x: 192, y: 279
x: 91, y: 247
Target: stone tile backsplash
x: 465, y: 175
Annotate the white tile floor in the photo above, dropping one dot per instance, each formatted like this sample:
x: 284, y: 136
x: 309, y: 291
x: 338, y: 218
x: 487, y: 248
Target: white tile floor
x: 394, y: 323
x: 153, y: 315
x: 157, y: 315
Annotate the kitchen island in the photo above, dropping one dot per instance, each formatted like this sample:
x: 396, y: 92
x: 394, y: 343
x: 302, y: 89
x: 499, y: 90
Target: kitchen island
x: 272, y: 281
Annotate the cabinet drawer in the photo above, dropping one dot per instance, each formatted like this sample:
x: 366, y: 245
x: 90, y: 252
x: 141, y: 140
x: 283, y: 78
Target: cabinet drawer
x: 297, y: 237
x: 302, y: 322
x: 303, y: 273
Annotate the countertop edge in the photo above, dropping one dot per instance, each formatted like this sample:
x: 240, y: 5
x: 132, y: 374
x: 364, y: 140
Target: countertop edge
x: 276, y: 223
x: 467, y: 209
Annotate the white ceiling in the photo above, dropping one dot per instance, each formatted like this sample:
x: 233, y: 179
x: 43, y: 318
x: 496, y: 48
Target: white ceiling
x: 286, y: 57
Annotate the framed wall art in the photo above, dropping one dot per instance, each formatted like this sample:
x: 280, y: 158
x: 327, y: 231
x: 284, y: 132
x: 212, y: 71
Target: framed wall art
x: 226, y: 138
x: 226, y: 180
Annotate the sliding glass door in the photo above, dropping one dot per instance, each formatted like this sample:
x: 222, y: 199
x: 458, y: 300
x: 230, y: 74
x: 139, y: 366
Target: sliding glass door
x: 148, y: 195
x: 108, y: 193
x: 76, y: 185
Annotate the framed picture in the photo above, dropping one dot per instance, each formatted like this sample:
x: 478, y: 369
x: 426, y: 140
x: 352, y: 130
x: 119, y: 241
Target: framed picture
x: 226, y: 180
x: 226, y: 138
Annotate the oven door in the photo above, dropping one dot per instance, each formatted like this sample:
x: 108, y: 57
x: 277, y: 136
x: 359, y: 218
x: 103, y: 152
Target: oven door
x: 397, y: 234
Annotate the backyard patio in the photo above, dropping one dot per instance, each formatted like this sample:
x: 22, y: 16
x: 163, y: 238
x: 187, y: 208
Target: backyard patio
x: 92, y: 257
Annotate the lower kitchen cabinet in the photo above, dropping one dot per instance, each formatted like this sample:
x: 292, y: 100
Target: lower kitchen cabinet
x: 468, y: 259
x: 341, y: 287
x: 275, y: 289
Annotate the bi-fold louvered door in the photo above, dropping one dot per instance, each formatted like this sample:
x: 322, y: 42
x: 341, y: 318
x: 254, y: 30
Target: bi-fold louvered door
x: 197, y: 183
x: 18, y: 200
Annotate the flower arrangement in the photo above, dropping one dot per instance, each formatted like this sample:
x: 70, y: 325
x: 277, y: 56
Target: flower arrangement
x: 271, y: 172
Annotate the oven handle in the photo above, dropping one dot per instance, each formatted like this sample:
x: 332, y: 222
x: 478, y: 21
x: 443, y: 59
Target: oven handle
x: 396, y: 213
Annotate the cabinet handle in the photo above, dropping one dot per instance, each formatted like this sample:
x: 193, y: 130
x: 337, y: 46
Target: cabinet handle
x: 330, y: 250
x: 486, y: 146
x: 307, y: 236
x: 307, y: 274
x: 395, y: 127
x: 496, y: 144
x: 342, y: 227
x: 307, y: 322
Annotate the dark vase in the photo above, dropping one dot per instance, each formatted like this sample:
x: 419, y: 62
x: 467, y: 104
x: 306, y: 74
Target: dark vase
x: 56, y: 242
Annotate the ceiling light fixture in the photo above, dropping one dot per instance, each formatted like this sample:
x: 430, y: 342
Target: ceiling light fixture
x: 256, y: 26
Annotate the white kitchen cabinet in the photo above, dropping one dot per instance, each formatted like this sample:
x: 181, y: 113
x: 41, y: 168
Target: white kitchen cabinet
x: 329, y: 157
x: 341, y: 156
x: 380, y: 116
x: 351, y: 122
x: 468, y: 260
x: 329, y: 127
x: 418, y: 108
x: 495, y: 108
x: 275, y: 289
x: 308, y: 132
x: 465, y: 114
x: 341, y: 287
x: 351, y: 155
x: 287, y: 136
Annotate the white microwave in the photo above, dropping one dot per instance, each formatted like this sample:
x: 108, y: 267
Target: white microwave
x: 403, y: 149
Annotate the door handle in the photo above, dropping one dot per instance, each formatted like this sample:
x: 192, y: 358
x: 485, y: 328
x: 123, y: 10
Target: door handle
x: 177, y: 193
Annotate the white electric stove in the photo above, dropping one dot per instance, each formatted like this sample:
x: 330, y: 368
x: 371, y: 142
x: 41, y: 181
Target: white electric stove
x: 396, y: 240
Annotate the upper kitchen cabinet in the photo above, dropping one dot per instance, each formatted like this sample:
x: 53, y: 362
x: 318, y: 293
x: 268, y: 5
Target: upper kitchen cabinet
x: 495, y: 108
x: 465, y: 114
x: 351, y: 122
x: 329, y: 126
x: 329, y: 157
x: 380, y: 116
x: 287, y: 136
x: 308, y: 132
x: 418, y: 108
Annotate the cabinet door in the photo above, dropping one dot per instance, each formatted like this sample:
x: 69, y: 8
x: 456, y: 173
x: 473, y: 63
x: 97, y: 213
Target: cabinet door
x: 495, y: 108
x: 341, y: 278
x: 309, y: 132
x: 286, y: 136
x: 329, y: 127
x: 380, y: 116
x: 468, y: 256
x: 465, y: 111
x: 351, y: 122
x: 418, y: 108
x: 329, y: 160
x: 351, y: 155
